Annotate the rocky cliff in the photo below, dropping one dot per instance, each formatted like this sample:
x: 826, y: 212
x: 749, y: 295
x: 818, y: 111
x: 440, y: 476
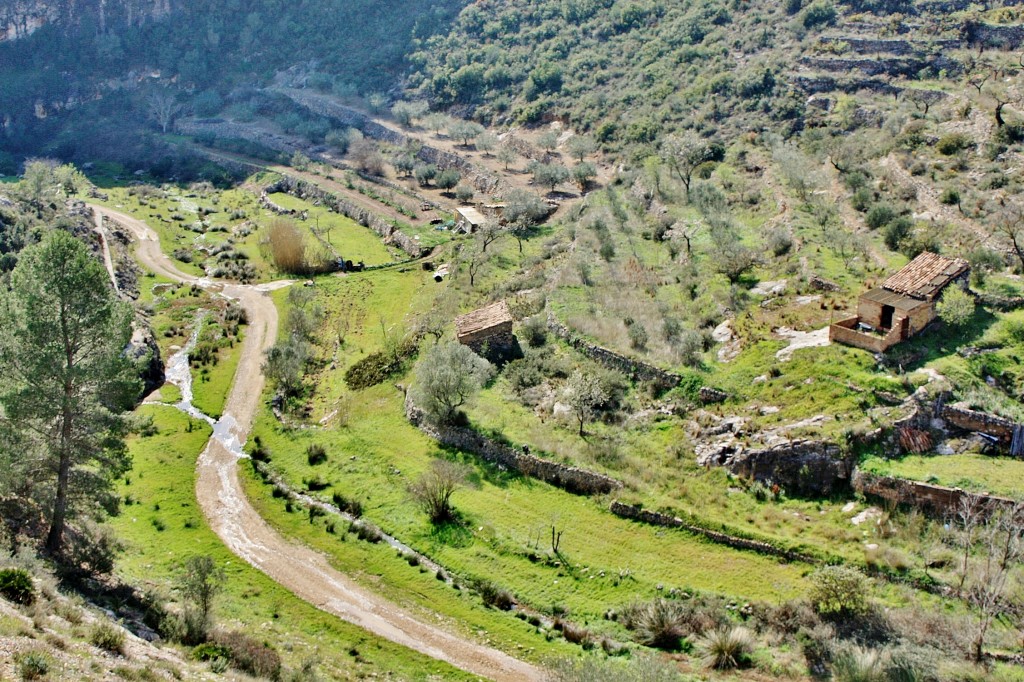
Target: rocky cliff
x: 20, y: 18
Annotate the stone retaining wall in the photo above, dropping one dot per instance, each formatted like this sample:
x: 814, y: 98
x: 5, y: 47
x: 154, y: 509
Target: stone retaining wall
x: 386, y: 230
x: 482, y: 180
x: 979, y: 421
x: 635, y: 369
x: 992, y: 35
x: 934, y: 499
x: 894, y: 66
x: 636, y: 513
x: 890, y: 46
x: 572, y: 479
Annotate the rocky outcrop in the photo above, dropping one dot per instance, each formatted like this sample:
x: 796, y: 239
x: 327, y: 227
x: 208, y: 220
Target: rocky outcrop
x: 803, y: 467
x: 20, y: 18
x: 143, y: 350
x: 570, y: 478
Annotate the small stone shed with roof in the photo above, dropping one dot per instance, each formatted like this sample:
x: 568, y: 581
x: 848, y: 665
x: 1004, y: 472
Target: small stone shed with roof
x: 903, y: 305
x: 488, y: 331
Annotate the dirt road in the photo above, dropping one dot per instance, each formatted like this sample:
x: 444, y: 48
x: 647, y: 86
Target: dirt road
x: 301, y: 570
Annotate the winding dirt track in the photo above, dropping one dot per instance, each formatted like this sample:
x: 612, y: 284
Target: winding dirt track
x: 301, y: 570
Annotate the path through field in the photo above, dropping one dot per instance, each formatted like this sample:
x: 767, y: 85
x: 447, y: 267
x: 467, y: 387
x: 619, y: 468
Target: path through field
x: 303, y: 571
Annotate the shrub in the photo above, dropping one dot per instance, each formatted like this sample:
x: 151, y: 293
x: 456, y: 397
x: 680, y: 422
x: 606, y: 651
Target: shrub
x: 495, y: 596
x: 727, y: 648
x: 350, y: 507
x: 879, y: 215
x: 366, y: 531
x: 841, y: 590
x: 375, y: 368
x: 316, y: 454
x: 950, y: 197
x: 953, y: 143
x: 208, y: 651
x: 956, y: 307
x: 660, y: 624
x: 108, y: 637
x: 16, y: 586
x: 534, y: 331
x: 249, y: 655
x: 32, y: 665
x: 819, y: 14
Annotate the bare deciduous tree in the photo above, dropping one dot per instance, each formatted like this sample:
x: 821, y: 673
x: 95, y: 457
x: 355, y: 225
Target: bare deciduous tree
x: 432, y: 491
x: 163, y: 108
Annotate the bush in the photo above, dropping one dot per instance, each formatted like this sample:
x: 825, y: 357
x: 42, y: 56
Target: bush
x: 16, y: 586
x: 953, y: 143
x: 534, y: 331
x: 819, y: 14
x: 841, y: 590
x: 375, y: 368
x: 350, y: 507
x: 956, y: 307
x: 726, y: 649
x: 495, y: 596
x: 316, y: 454
x: 879, y: 215
x: 250, y: 656
x: 32, y: 665
x: 108, y: 637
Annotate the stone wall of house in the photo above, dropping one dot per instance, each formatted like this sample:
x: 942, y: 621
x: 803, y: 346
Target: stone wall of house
x: 386, y: 230
x: 498, y: 345
x: 637, y: 513
x: 572, y: 479
x: 934, y: 499
x: 635, y: 369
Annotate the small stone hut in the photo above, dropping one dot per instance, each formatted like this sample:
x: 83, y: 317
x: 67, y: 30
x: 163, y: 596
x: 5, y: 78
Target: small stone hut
x: 903, y: 305
x: 488, y: 331
x: 468, y: 219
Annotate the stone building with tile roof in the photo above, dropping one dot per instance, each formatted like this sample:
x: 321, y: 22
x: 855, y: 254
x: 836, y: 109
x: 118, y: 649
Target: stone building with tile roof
x: 903, y: 305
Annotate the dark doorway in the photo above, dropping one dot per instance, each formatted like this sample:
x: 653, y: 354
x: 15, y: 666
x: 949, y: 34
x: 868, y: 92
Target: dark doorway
x: 887, y: 312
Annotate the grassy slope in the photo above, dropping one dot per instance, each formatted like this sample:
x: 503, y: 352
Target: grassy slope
x: 161, y: 487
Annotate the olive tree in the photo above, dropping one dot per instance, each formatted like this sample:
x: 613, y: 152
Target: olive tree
x: 446, y: 378
x: 583, y: 393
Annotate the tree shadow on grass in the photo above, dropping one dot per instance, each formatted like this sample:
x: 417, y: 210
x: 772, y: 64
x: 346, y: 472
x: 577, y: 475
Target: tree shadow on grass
x: 482, y: 471
x: 938, y: 340
x: 455, y: 533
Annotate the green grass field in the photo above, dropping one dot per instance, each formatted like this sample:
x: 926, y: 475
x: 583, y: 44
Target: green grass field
x: 163, y: 526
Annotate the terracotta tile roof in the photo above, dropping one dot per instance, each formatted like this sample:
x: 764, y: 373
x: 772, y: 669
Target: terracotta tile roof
x: 483, y: 318
x: 925, y: 276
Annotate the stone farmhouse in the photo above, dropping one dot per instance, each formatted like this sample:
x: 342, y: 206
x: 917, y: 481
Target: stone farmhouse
x: 488, y: 331
x: 903, y: 305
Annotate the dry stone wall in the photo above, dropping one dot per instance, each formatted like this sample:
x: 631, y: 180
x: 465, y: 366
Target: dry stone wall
x: 635, y: 369
x: 572, y: 479
x: 934, y: 499
x: 637, y: 513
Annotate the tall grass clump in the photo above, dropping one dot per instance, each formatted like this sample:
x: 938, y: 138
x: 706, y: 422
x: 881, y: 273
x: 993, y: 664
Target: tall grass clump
x: 727, y: 648
x: 284, y: 244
